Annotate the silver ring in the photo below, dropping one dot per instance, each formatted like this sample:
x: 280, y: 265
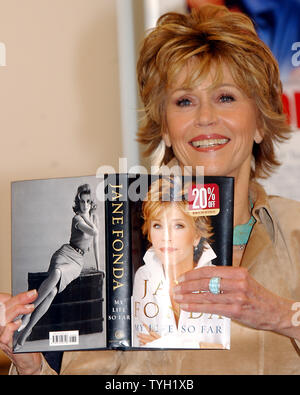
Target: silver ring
x: 214, y: 285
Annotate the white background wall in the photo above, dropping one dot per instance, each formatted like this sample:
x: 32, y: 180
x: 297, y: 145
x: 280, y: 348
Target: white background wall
x: 59, y: 96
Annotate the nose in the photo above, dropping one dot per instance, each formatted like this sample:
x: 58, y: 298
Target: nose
x: 167, y: 236
x: 206, y: 114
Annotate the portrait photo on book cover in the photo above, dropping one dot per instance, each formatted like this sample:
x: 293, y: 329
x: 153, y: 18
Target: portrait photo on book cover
x: 178, y: 241
x: 59, y: 250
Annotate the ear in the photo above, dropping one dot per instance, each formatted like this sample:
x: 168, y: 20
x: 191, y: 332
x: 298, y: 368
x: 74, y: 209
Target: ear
x: 167, y: 140
x: 258, y: 136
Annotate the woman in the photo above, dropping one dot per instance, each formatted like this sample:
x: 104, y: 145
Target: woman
x: 179, y: 243
x: 67, y: 262
x: 212, y: 97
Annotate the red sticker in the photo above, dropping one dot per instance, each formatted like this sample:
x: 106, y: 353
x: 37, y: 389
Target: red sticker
x: 204, y: 199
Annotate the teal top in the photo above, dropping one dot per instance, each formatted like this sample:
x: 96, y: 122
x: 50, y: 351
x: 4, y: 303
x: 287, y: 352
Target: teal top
x: 241, y: 233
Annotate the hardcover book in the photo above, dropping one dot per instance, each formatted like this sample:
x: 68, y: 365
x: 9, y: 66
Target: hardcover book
x: 105, y: 253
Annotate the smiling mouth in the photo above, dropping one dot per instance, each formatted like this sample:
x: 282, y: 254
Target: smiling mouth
x: 209, y: 143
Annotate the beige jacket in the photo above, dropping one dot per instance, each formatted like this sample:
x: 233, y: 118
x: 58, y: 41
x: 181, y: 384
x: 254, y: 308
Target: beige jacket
x: 272, y: 257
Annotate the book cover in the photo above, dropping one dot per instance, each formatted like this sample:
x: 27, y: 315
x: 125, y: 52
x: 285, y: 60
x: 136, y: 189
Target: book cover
x: 104, y: 253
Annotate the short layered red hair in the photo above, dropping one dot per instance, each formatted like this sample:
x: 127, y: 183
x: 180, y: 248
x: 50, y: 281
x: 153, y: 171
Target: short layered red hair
x: 211, y: 36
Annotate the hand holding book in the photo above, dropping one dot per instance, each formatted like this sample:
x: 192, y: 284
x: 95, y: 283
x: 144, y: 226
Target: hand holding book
x: 241, y: 298
x: 10, y: 308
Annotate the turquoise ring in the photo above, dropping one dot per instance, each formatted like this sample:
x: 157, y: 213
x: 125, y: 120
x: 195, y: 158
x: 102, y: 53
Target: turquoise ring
x: 214, y: 285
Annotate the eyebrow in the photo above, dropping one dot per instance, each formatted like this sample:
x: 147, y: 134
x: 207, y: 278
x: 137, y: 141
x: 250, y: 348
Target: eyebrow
x: 175, y: 219
x: 212, y: 86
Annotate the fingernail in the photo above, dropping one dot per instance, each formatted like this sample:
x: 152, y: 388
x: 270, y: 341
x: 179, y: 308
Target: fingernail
x: 29, y: 306
x: 31, y: 293
x: 181, y: 279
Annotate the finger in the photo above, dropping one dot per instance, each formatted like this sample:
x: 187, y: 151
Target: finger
x: 8, y: 331
x: 16, y: 310
x: 22, y: 298
x: 207, y: 297
x: 225, y: 310
x: 16, y: 305
x: 229, y: 272
x: 202, y: 285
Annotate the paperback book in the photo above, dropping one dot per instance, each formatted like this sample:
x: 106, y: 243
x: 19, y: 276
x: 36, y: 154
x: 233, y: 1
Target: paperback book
x: 105, y: 253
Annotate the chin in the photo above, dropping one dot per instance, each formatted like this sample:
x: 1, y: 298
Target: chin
x: 218, y: 170
x: 212, y: 170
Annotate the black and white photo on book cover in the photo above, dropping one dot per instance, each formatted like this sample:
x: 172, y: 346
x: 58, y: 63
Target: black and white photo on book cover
x: 58, y: 248
x: 105, y: 253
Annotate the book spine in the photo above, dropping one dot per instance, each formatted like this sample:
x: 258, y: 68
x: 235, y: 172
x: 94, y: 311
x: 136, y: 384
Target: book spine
x: 118, y: 262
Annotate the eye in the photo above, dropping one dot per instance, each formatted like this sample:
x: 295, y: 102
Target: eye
x: 185, y: 102
x: 156, y: 226
x: 226, y: 98
x: 179, y: 226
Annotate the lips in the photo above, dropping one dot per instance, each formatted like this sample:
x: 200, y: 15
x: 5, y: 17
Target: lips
x: 211, y: 142
x: 168, y: 249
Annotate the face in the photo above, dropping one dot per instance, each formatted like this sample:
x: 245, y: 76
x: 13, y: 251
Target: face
x: 173, y: 236
x: 212, y: 126
x: 85, y: 203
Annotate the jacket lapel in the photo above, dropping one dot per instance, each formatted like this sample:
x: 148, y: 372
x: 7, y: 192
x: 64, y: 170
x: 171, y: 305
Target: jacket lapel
x: 264, y: 231
x: 259, y: 241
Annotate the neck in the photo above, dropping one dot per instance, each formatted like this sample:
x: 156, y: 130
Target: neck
x: 241, y: 201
